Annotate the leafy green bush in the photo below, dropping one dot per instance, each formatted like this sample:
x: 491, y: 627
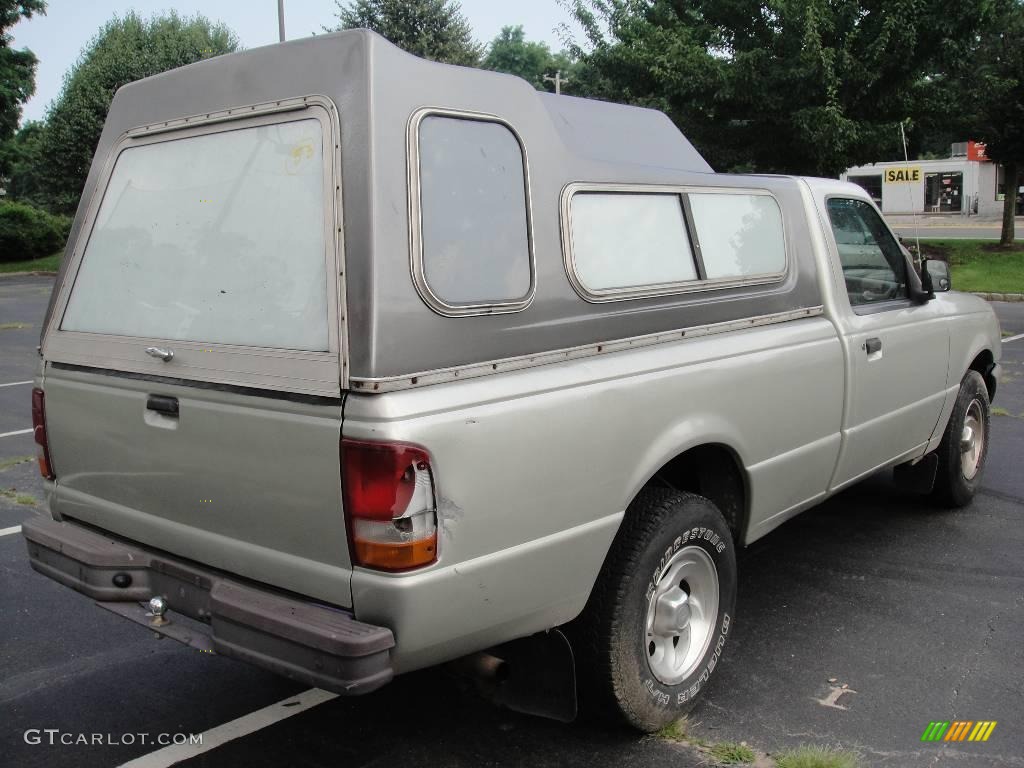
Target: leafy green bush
x: 27, y: 232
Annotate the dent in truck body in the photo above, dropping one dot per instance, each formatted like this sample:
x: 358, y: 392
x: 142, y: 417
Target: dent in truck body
x: 526, y: 575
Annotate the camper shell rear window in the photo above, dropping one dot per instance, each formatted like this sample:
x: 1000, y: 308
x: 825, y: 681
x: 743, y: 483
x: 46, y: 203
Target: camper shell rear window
x: 216, y: 242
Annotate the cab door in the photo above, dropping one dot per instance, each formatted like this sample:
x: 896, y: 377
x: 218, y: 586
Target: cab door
x: 897, y: 351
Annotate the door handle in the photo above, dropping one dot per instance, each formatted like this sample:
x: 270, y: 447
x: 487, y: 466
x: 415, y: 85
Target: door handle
x: 163, y: 354
x: 162, y: 404
x: 873, y: 345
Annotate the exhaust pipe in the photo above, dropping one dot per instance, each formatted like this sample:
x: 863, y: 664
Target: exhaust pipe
x: 534, y: 675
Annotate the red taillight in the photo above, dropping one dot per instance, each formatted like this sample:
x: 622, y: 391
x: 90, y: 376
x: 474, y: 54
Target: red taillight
x: 388, y: 491
x: 39, y: 433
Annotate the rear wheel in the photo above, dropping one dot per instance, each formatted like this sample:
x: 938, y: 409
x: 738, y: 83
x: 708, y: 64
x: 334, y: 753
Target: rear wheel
x: 658, y: 617
x: 964, y: 446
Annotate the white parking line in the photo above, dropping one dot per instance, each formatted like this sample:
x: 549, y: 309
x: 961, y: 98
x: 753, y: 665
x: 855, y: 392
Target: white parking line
x: 9, y: 531
x: 15, y: 383
x: 1014, y: 338
x: 16, y: 432
x: 243, y: 726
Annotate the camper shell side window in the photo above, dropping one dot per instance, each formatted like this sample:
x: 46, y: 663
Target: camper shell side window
x: 638, y: 241
x: 471, y: 238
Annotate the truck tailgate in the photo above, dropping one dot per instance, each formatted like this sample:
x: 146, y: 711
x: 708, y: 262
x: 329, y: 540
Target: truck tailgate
x: 245, y: 483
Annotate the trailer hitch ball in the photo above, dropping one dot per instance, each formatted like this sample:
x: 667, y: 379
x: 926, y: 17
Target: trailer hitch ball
x: 158, y: 607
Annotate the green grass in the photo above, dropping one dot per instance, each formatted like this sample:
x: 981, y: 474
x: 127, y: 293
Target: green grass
x: 19, y: 498
x: 13, y: 462
x: 731, y: 753
x: 816, y: 757
x: 45, y: 264
x: 677, y: 730
x: 1000, y: 412
x: 980, y: 265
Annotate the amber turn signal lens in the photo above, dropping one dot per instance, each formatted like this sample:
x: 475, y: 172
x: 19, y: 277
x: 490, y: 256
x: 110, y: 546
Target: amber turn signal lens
x: 396, y: 557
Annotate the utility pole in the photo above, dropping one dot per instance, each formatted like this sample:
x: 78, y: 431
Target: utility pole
x: 558, y: 80
x: 280, y: 20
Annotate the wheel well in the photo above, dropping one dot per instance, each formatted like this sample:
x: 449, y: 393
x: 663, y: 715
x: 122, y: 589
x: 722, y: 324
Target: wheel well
x: 983, y: 365
x: 712, y: 471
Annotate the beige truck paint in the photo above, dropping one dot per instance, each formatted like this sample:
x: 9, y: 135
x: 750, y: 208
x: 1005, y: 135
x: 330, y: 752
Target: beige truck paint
x: 524, y: 536
x: 534, y: 469
x: 245, y: 484
x: 898, y: 400
x: 562, y: 413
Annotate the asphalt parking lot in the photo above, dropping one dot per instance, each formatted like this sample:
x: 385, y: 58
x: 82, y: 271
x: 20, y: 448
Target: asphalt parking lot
x: 914, y: 614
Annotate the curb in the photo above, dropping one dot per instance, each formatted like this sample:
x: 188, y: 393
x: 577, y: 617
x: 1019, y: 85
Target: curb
x: 999, y: 296
x: 37, y: 273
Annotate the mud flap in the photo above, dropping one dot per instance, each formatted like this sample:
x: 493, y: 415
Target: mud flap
x: 919, y: 477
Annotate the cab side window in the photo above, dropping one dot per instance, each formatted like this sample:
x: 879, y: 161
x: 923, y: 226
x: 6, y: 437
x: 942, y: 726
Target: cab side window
x: 873, y: 264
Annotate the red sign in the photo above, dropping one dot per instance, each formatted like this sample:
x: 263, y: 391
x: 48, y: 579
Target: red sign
x: 976, y: 151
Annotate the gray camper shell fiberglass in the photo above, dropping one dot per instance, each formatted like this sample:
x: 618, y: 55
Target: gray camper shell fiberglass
x: 372, y: 363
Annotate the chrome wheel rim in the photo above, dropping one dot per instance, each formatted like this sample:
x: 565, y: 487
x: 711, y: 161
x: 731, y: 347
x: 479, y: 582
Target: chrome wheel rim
x: 972, y: 440
x: 682, y: 613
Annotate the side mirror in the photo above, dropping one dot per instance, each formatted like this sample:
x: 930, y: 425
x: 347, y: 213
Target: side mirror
x: 937, y: 274
x: 919, y: 283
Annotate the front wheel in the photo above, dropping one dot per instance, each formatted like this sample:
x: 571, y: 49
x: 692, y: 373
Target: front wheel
x: 964, y: 446
x: 659, y: 615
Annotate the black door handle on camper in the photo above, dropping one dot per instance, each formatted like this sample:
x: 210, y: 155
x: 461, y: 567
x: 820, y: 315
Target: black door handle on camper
x: 162, y: 404
x: 873, y: 345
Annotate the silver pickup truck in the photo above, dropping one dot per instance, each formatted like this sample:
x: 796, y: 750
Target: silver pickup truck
x: 359, y: 363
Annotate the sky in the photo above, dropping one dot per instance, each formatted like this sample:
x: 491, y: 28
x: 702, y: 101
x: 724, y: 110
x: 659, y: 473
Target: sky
x: 58, y: 38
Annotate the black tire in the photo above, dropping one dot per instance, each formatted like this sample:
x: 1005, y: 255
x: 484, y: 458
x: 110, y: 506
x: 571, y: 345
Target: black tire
x: 616, y: 680
x: 952, y: 487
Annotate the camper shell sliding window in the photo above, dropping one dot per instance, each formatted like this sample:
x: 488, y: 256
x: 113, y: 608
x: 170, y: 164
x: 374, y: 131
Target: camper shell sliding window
x: 638, y: 241
x: 214, y: 240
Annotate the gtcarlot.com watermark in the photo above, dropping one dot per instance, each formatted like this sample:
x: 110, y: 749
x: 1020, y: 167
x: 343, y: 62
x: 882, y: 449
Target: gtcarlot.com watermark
x: 54, y: 737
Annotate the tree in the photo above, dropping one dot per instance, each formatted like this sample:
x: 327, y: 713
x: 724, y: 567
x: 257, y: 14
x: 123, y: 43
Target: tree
x: 998, y: 81
x: 17, y: 68
x: 432, y: 29
x: 512, y: 53
x: 19, y: 159
x: 805, y: 86
x: 124, y: 50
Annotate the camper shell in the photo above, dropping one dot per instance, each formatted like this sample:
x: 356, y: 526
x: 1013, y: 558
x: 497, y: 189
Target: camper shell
x: 386, y: 330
